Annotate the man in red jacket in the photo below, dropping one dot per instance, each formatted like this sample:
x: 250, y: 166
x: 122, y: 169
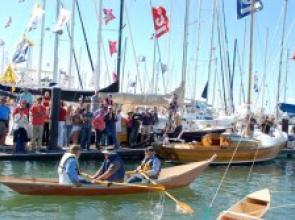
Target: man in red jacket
x: 38, y: 113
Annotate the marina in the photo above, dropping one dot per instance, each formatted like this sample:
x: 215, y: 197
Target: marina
x: 155, y: 109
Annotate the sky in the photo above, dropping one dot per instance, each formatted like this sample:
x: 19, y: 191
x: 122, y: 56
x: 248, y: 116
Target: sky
x: 137, y: 32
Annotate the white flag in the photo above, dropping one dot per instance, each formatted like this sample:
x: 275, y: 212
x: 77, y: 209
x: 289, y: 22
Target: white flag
x: 63, y: 18
x: 35, y: 17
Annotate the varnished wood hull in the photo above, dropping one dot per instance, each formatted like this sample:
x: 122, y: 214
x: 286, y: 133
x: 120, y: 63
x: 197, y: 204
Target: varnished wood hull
x: 243, y: 155
x: 171, y: 177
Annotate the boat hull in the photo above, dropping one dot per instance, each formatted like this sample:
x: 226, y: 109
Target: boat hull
x: 243, y: 155
x: 171, y: 178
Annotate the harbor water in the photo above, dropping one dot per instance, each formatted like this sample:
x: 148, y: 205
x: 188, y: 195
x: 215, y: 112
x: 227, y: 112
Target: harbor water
x: 278, y: 176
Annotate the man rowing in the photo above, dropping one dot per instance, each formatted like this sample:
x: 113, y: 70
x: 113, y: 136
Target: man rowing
x: 150, y: 165
x: 68, y: 169
x: 112, y: 168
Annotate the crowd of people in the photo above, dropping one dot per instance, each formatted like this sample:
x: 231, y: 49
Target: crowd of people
x: 30, y: 119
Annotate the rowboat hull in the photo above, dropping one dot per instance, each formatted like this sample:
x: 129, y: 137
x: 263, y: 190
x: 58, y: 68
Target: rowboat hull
x: 171, y: 177
x: 252, y: 207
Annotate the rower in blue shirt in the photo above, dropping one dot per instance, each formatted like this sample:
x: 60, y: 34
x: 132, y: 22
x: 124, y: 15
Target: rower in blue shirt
x: 112, y: 168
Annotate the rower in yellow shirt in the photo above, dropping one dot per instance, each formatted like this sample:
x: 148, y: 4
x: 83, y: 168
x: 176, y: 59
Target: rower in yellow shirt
x: 150, y: 165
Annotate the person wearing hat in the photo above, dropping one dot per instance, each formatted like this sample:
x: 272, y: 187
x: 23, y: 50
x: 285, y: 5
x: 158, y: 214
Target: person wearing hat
x: 112, y: 168
x: 150, y: 165
x: 68, y: 168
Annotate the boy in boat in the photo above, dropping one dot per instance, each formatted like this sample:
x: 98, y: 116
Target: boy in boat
x: 68, y: 169
x: 150, y: 165
x: 112, y: 168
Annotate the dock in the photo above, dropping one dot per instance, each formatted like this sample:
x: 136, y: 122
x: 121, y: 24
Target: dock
x: 125, y: 153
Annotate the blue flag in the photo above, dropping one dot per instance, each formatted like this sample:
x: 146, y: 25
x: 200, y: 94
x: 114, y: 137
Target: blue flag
x: 244, y: 7
x: 20, y: 55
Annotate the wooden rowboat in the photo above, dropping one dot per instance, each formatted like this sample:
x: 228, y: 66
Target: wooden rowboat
x: 171, y: 177
x: 252, y: 207
x: 223, y: 146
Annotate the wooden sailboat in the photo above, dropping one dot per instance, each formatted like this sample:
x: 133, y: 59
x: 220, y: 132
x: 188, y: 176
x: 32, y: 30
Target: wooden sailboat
x: 227, y: 147
x: 170, y: 178
x: 252, y: 207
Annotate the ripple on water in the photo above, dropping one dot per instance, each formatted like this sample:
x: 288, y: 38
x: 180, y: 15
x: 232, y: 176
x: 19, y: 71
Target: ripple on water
x: 277, y: 176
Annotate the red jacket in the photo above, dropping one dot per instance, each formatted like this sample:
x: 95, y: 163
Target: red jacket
x: 38, y: 114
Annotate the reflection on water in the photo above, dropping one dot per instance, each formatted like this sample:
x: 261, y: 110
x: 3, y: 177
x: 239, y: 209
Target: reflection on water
x: 278, y: 176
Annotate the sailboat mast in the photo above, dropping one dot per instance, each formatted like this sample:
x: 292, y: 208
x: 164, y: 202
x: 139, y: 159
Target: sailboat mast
x: 56, y: 42
x: 250, y: 55
x: 281, y: 57
x: 185, y: 44
x: 197, y: 50
x: 99, y: 39
x: 120, y: 42
x: 72, y: 43
x: 264, y: 69
x: 286, y: 76
x: 41, y: 44
x: 211, y: 46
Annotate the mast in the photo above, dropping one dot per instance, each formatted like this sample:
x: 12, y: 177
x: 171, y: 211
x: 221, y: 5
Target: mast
x: 197, y: 51
x: 221, y: 63
x: 264, y: 69
x: 56, y: 42
x: 281, y: 57
x: 286, y: 76
x: 227, y: 63
x: 120, y: 42
x: 123, y: 64
x: 185, y: 44
x: 250, y: 55
x: 72, y: 43
x: 154, y: 68
x: 41, y: 44
x: 211, y: 46
x: 99, y: 37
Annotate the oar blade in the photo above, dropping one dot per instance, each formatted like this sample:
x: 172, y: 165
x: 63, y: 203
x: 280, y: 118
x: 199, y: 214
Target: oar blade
x: 184, y: 208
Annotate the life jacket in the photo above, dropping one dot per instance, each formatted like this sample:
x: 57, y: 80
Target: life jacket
x: 63, y: 176
x: 147, y: 165
x: 120, y: 173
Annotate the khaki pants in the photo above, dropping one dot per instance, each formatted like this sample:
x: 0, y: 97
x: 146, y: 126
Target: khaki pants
x: 37, y: 137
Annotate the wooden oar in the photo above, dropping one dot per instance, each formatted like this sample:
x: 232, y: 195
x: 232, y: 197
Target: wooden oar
x: 107, y: 183
x: 186, y: 209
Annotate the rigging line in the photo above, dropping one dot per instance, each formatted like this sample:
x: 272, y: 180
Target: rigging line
x: 103, y: 47
x: 74, y: 54
x: 105, y: 59
x: 133, y: 48
x: 85, y: 37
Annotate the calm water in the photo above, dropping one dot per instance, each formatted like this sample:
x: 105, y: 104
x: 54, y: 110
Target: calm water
x: 279, y: 176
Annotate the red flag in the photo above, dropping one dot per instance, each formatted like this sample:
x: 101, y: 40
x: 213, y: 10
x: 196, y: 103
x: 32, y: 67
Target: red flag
x: 115, y: 77
x: 108, y: 15
x: 112, y: 47
x: 161, y: 21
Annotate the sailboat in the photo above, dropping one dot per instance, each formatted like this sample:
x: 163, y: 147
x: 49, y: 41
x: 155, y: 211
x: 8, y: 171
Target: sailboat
x: 230, y: 148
